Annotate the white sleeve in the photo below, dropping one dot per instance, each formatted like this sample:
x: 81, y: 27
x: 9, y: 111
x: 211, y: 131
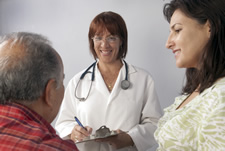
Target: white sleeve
x: 143, y: 133
x: 66, y: 122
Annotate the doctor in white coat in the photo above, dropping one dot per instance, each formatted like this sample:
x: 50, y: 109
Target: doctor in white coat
x: 112, y: 93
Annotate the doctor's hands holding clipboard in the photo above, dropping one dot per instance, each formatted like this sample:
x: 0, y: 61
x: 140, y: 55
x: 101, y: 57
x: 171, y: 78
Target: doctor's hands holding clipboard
x: 122, y: 139
x: 118, y: 141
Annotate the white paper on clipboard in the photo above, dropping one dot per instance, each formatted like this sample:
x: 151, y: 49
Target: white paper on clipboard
x: 105, y: 132
x: 93, y: 137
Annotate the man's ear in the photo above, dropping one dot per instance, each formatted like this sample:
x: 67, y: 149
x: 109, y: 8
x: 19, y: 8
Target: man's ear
x: 49, y: 92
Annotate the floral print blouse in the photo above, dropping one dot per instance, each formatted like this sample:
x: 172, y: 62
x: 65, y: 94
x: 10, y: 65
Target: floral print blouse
x: 199, y: 125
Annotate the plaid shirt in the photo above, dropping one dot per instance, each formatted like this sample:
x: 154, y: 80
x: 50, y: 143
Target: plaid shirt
x: 23, y: 129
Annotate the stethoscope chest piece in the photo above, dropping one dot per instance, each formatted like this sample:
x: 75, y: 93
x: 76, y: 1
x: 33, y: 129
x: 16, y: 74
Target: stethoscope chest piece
x: 125, y: 84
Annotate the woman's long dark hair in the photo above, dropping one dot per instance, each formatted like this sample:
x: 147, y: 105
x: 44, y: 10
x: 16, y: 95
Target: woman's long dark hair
x: 211, y: 66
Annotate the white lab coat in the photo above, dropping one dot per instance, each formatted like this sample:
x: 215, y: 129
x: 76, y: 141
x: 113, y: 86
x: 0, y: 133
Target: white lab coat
x: 135, y: 110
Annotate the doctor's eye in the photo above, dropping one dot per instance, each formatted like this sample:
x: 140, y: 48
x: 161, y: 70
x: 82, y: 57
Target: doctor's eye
x: 97, y: 38
x: 111, y: 38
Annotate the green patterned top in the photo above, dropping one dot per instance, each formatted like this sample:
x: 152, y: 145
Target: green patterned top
x: 199, y: 125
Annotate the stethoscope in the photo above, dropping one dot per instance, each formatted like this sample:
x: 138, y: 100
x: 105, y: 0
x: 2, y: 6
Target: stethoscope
x: 125, y: 84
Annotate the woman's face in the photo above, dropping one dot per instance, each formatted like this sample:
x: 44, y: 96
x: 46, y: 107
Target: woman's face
x: 187, y: 39
x: 107, y: 47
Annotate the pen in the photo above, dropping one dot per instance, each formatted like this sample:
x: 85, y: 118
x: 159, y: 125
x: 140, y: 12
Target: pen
x: 79, y: 123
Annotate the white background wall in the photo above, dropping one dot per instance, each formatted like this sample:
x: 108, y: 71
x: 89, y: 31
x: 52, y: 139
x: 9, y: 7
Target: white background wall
x: 66, y: 24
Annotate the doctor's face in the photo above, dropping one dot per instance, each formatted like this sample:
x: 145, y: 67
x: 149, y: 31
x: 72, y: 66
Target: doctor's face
x: 107, y: 47
x: 187, y: 39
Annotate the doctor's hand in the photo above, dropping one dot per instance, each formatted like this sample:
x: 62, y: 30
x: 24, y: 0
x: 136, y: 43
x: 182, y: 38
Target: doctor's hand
x: 118, y: 141
x: 79, y: 133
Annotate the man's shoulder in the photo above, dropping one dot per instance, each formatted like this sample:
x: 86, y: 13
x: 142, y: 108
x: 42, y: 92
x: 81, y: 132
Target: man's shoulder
x: 24, y: 136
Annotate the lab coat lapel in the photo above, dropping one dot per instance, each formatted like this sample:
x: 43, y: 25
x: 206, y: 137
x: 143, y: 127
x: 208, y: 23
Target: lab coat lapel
x: 100, y: 84
x: 122, y: 74
x: 101, y: 87
x: 117, y: 86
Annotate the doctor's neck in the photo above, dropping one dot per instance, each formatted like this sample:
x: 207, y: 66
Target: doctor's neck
x: 110, y: 67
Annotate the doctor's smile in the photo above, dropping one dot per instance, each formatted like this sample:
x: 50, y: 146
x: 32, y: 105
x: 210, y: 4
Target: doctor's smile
x: 106, y: 52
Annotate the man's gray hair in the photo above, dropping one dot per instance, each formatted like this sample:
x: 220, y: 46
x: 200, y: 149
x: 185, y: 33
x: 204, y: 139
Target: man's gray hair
x: 25, y: 72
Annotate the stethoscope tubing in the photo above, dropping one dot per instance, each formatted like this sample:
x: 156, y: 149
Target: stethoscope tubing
x: 125, y: 84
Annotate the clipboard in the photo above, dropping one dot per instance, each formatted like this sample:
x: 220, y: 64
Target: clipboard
x: 102, y: 132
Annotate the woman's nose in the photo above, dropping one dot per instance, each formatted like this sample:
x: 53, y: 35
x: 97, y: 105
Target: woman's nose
x: 169, y: 42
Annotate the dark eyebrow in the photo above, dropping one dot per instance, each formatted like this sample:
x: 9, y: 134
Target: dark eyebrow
x: 172, y: 27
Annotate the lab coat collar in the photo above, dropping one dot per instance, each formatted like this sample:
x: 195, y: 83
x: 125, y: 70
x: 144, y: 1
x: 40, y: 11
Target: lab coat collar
x: 101, y: 86
x: 131, y: 69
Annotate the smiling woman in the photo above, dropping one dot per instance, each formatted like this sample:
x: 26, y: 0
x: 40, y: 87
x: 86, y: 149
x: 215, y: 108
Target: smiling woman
x: 187, y: 39
x: 196, y: 120
x: 107, y: 49
x: 131, y: 106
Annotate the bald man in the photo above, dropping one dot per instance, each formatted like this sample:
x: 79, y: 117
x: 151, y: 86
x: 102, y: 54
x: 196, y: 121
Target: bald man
x: 31, y: 92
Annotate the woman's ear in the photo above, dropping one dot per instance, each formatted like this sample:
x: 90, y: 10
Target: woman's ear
x: 208, y: 26
x: 50, y: 92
